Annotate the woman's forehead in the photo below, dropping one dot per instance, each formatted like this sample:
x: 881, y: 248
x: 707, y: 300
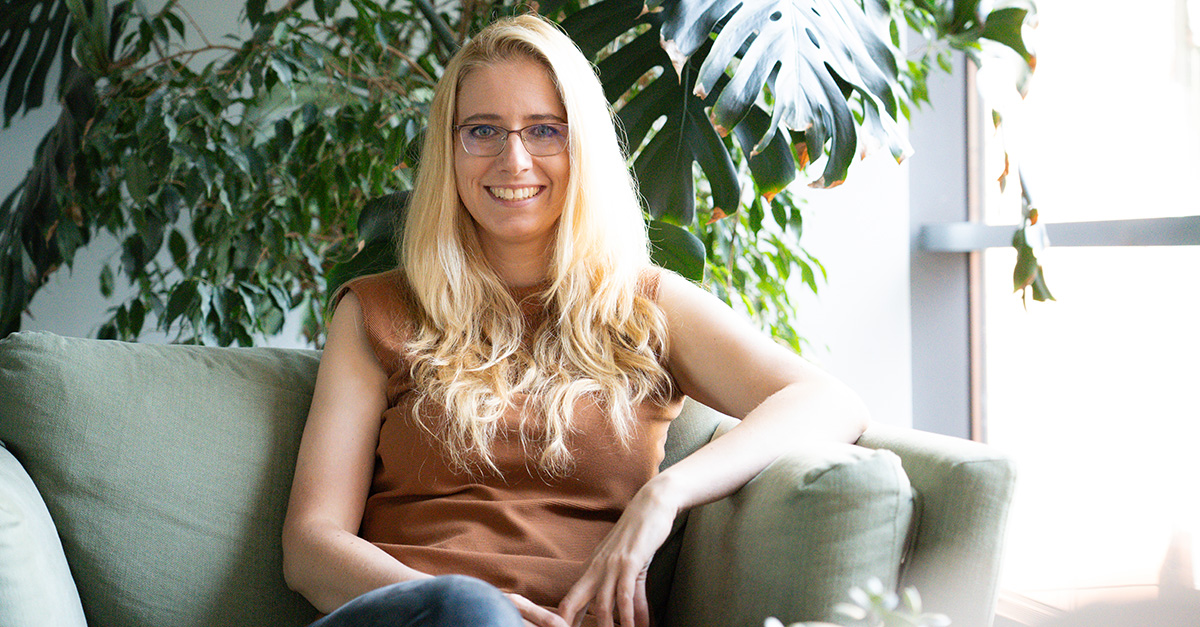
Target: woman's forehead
x: 520, y: 87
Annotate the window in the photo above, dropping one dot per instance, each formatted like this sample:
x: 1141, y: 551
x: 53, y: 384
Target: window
x: 1095, y: 395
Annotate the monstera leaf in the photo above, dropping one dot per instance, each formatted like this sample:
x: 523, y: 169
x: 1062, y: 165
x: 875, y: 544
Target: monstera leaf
x: 668, y: 130
x: 809, y: 56
x: 32, y: 34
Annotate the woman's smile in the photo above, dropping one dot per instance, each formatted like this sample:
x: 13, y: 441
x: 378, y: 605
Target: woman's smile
x: 515, y: 193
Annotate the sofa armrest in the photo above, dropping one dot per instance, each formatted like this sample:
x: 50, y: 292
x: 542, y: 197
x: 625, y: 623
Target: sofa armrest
x: 794, y: 540
x: 36, y: 587
x: 963, y: 492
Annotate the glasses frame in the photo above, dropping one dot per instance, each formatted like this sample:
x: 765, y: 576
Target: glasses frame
x: 560, y: 126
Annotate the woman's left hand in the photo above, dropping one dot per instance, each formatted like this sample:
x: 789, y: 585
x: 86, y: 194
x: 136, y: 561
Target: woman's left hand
x: 615, y: 578
x: 533, y: 615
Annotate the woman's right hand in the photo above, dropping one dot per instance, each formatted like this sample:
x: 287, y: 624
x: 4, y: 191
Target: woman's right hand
x: 534, y: 614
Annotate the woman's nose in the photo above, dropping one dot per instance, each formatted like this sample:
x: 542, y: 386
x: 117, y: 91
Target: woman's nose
x: 514, y: 156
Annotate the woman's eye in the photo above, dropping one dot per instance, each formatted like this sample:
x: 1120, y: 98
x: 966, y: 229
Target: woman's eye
x: 543, y: 131
x: 483, y: 131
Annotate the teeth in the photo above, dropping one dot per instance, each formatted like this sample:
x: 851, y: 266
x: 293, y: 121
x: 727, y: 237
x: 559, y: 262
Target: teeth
x: 509, y: 193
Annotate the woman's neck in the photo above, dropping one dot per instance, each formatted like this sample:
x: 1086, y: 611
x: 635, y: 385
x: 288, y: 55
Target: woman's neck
x: 519, y: 266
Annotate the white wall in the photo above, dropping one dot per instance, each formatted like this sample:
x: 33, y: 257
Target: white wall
x: 859, y: 322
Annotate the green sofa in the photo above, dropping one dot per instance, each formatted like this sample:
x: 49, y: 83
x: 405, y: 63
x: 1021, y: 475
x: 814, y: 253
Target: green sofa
x: 145, y: 486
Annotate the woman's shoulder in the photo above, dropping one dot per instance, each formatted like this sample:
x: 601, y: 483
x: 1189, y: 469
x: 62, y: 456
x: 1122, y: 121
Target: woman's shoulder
x: 387, y: 289
x: 386, y: 304
x: 649, y: 280
x: 385, y: 298
x: 661, y: 284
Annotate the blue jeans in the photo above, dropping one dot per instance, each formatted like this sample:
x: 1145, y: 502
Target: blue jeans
x: 446, y: 601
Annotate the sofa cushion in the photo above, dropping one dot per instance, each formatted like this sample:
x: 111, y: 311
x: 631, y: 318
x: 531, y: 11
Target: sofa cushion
x: 36, y: 588
x: 166, y: 470
x: 822, y: 519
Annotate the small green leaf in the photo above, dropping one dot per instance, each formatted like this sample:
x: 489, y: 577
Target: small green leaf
x: 133, y: 256
x: 106, y: 281
x: 179, y: 249
x: 176, y: 24
x: 282, y: 69
x: 137, y: 179
x: 676, y: 249
x: 1026, y: 269
x: 137, y: 318
x: 1041, y: 291
x: 184, y: 300
x: 780, y: 213
x: 254, y: 10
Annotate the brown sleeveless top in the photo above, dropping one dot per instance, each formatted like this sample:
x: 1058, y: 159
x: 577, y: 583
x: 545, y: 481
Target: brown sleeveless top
x: 522, y: 532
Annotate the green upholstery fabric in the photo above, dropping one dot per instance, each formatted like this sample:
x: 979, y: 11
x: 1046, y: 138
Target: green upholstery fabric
x: 693, y: 428
x: 167, y: 470
x: 36, y: 588
x: 824, y: 519
x: 965, y: 489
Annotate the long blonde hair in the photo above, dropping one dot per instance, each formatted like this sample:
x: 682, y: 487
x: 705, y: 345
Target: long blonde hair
x: 602, y: 340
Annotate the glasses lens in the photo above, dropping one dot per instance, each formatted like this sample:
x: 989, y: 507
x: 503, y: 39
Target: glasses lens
x: 543, y: 140
x: 482, y: 140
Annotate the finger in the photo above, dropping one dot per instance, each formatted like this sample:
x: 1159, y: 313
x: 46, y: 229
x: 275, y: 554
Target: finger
x: 641, y: 604
x: 624, y: 602
x: 575, y: 604
x: 536, y: 614
x: 543, y: 617
x: 605, y: 598
x: 631, y: 590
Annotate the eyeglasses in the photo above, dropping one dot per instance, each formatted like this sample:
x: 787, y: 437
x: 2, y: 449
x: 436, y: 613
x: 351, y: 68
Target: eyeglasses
x: 487, y: 140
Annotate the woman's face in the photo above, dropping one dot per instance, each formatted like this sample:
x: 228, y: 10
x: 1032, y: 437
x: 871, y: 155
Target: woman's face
x: 514, y: 197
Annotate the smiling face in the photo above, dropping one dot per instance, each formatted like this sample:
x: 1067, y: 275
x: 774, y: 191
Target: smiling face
x: 514, y: 198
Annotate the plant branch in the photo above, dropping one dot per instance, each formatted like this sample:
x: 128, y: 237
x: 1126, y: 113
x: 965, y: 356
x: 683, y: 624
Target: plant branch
x: 441, y: 31
x: 196, y: 26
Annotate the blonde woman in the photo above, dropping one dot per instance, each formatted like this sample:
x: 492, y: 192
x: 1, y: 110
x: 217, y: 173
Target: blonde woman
x: 488, y: 421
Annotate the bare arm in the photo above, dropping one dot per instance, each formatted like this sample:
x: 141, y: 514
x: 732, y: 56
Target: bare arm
x: 323, y: 557
x: 719, y: 359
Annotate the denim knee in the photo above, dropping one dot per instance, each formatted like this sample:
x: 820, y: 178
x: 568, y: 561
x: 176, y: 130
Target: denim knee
x: 445, y: 601
x: 458, y: 601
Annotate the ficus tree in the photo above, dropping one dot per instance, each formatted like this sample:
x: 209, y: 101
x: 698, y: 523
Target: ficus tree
x: 243, y: 177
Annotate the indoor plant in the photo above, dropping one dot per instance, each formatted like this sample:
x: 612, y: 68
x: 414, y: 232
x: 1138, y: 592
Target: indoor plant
x: 235, y: 185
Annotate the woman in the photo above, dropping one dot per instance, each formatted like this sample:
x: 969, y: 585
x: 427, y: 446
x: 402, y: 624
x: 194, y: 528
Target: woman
x: 496, y: 410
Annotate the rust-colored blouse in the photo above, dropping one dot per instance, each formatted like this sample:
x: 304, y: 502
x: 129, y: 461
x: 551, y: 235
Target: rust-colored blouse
x: 522, y: 532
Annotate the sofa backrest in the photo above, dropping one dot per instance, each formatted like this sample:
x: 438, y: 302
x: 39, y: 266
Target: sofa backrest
x: 167, y: 469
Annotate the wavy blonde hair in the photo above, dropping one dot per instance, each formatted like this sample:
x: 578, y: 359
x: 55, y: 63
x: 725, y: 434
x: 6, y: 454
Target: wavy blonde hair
x: 602, y: 341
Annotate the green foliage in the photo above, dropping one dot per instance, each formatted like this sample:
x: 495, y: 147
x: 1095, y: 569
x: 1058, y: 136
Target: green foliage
x: 234, y: 184
x: 233, y: 174
x: 754, y: 262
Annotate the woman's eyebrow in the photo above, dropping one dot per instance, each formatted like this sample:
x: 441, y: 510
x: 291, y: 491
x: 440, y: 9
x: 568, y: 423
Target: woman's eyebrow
x: 490, y: 118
